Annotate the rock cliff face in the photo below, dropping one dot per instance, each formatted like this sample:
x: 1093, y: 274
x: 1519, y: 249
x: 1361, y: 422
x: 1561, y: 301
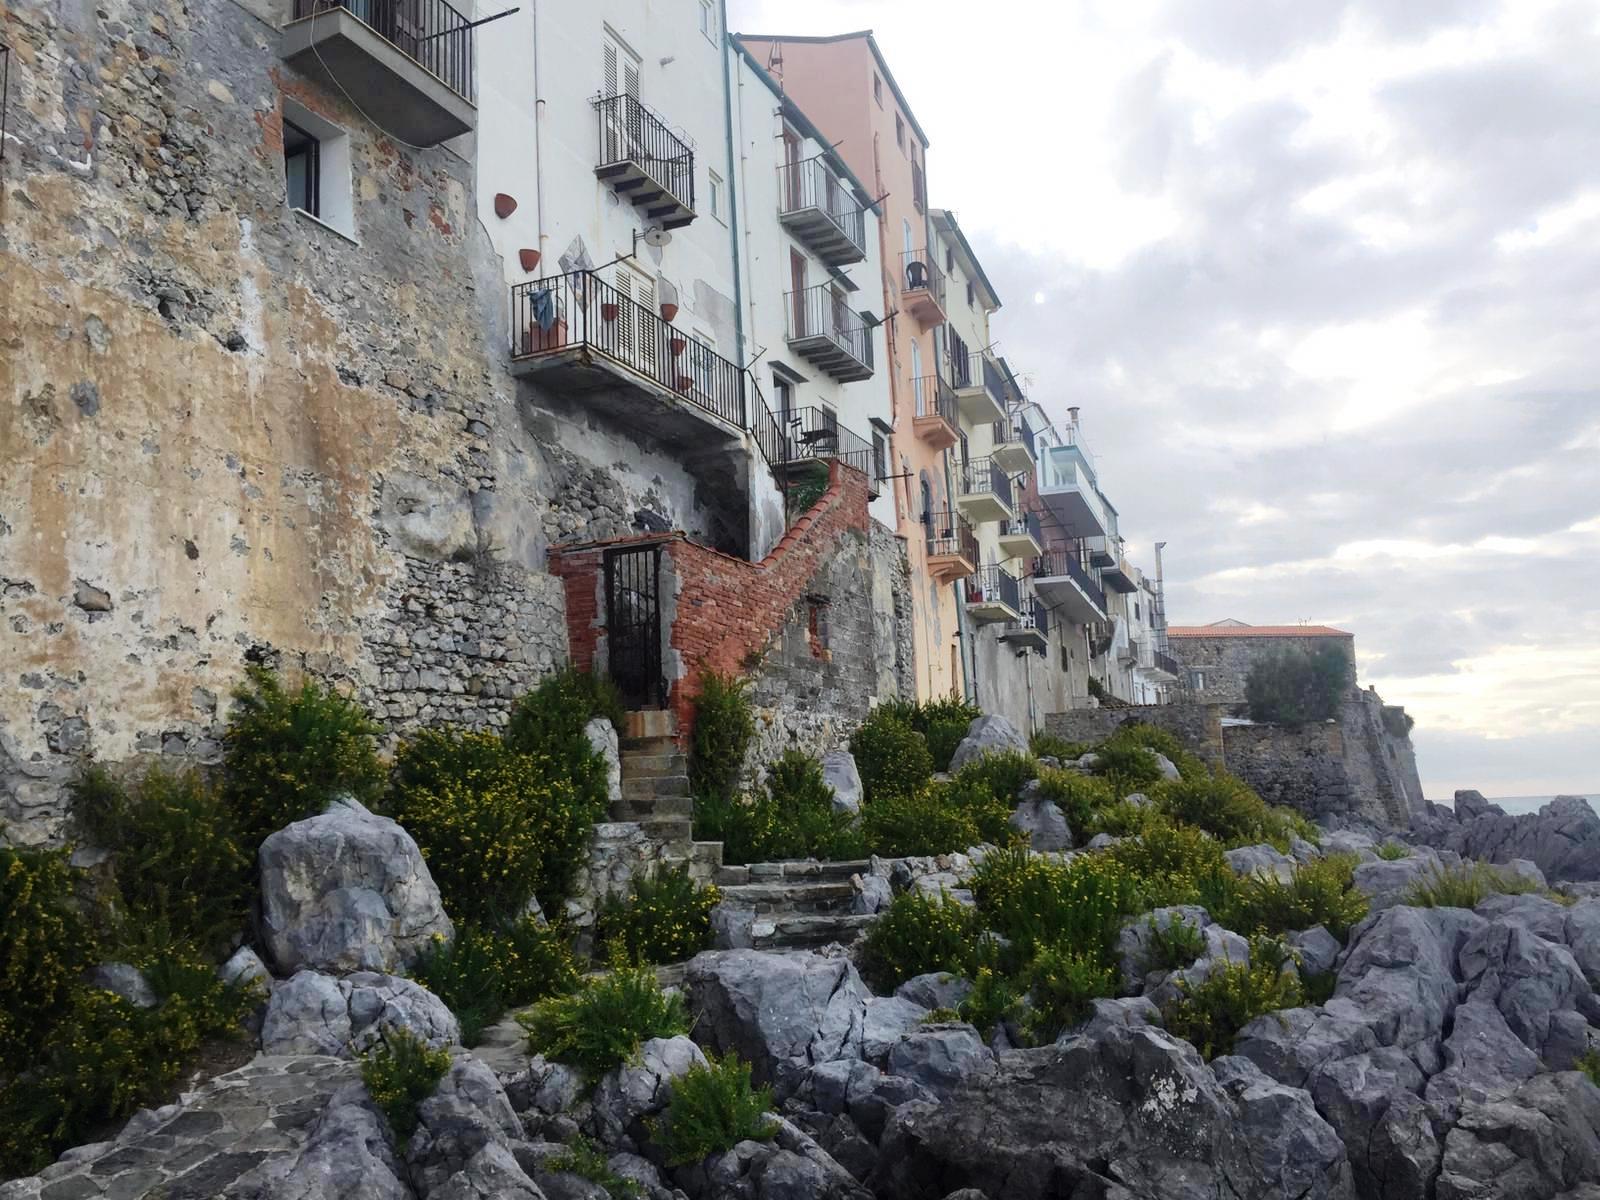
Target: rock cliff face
x: 1563, y: 837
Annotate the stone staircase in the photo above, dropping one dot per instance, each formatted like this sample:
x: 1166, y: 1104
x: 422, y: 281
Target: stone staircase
x: 796, y: 905
x: 655, y: 794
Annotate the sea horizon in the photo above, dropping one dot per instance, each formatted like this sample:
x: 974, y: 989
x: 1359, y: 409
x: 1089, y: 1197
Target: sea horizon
x: 1527, y: 804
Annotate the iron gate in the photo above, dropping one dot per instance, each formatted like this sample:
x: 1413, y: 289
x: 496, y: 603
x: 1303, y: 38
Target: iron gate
x: 633, y: 625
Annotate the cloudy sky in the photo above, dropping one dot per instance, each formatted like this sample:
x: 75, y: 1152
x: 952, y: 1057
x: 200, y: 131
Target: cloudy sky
x: 1324, y: 276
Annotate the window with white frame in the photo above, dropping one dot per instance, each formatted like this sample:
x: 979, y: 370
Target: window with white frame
x: 316, y: 168
x: 714, y: 193
x: 1197, y: 681
x: 708, y: 20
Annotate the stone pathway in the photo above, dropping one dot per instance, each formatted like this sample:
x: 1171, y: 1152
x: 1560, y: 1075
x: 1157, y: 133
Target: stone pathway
x: 796, y: 905
x: 196, y: 1148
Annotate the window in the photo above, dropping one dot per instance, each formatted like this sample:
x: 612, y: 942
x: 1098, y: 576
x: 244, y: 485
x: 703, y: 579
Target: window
x: 880, y: 456
x: 919, y: 195
x: 949, y: 261
x: 877, y: 89
x: 972, y: 294
x: 1197, y: 681
x: 1136, y: 610
x: 708, y: 20
x: 714, y: 192
x: 316, y: 169
x: 899, y: 132
x: 783, y: 393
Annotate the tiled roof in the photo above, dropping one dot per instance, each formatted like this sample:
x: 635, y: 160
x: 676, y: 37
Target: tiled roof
x: 1256, y: 631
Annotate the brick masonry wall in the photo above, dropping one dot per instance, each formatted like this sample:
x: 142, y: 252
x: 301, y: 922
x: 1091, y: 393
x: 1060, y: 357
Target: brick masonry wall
x: 231, y: 434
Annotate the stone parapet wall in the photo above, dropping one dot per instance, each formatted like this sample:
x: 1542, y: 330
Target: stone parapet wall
x: 1304, y: 769
x: 1198, y: 725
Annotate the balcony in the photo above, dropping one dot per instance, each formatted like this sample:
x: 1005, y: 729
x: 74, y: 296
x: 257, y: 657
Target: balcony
x: 582, y: 334
x: 644, y: 161
x: 952, y: 546
x: 1062, y: 579
x: 410, y: 61
x: 980, y: 388
x: 820, y: 210
x: 938, y: 418
x: 922, y: 288
x: 983, y: 491
x: 822, y: 328
x: 815, y: 435
x: 1165, y: 666
x: 1119, y: 576
x: 1022, y: 536
x: 993, y: 594
x: 1067, y: 488
x: 1014, y: 447
x: 1032, y: 629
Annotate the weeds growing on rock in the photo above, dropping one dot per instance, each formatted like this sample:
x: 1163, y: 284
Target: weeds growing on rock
x: 1466, y: 886
x: 918, y: 934
x: 665, y: 917
x: 400, y: 1073
x: 1210, y: 1014
x: 713, y: 1108
x: 605, y: 1020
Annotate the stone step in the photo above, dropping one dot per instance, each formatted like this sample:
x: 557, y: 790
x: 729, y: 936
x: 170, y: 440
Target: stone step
x: 631, y: 808
x: 803, y: 932
x: 648, y: 745
x: 798, y: 870
x: 791, y: 899
x: 651, y: 766
x: 669, y: 830
x: 661, y: 785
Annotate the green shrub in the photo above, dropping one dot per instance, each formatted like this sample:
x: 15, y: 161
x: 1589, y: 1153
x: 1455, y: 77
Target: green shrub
x: 1036, y: 902
x: 1222, y: 805
x: 1320, y: 892
x: 943, y: 739
x: 1120, y: 820
x: 711, y: 1109
x: 806, y: 487
x: 1176, y: 864
x: 987, y: 791
x: 917, y: 935
x: 790, y: 816
x: 288, y: 753
x: 180, y: 872
x: 995, y: 999
x: 1100, y: 692
x: 605, y: 1020
x: 942, y: 723
x: 44, y: 944
x: 1397, y: 722
x: 1465, y: 886
x: 1062, y: 985
x: 581, y: 1157
x: 1048, y: 745
x: 559, y: 708
x: 924, y: 822
x: 1078, y: 796
x: 103, y: 1057
x: 1298, y: 687
x: 1126, y: 766
x: 548, y: 726
x: 665, y: 918
x: 1209, y: 1015
x: 483, y: 972
x: 496, y: 826
x: 1282, y: 825
x: 1394, y: 851
x: 723, y: 728
x: 1589, y: 1064
x: 891, y: 756
x: 1003, y: 773
x: 1173, y: 946
x: 400, y: 1073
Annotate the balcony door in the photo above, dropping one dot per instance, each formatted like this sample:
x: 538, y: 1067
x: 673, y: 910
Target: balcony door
x: 622, y: 121
x: 793, y: 187
x: 637, y: 336
x: 797, y: 281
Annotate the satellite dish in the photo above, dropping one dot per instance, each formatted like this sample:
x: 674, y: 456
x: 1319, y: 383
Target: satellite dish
x: 656, y: 236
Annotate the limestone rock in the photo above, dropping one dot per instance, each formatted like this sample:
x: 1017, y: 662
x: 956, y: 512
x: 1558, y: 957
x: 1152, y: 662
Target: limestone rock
x: 1386, y: 882
x: 312, y: 1013
x: 468, y: 1111
x: 124, y: 980
x: 642, y: 1086
x: 349, y: 1156
x: 987, y: 735
x: 1260, y: 860
x: 347, y: 891
x: 939, y: 989
x: 1135, y: 942
x: 602, y: 735
x: 1292, y: 1150
x: 1165, y: 765
x: 1316, y: 949
x: 492, y: 1173
x: 1562, y: 839
x: 873, y: 894
x: 942, y: 1058
x: 245, y: 969
x: 1542, y: 1140
x: 1044, y: 824
x: 839, y: 770
x: 886, y: 1020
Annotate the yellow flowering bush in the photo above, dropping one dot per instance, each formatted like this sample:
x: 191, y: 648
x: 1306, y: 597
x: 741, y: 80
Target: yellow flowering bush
x: 665, y: 917
x: 485, y: 971
x: 605, y: 1020
x: 928, y: 820
x: 400, y: 1073
x: 497, y: 827
x: 891, y: 756
x: 1062, y: 985
x: 1036, y: 902
x: 287, y: 753
x: 44, y: 944
x: 918, y: 934
x: 1209, y: 1015
x: 1320, y: 892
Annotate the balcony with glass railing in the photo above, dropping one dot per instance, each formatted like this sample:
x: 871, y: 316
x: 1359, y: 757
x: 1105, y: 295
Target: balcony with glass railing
x: 1067, y: 488
x: 822, y: 211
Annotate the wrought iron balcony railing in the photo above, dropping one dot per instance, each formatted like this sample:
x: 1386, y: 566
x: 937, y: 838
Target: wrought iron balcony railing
x: 1070, y: 564
x: 812, y: 186
x: 631, y: 134
x: 1015, y: 428
x: 429, y: 32
x: 811, y: 433
x: 1034, y: 616
x: 984, y: 475
x: 920, y: 273
x: 823, y: 313
x: 994, y: 584
x: 1028, y: 524
x: 949, y: 533
x: 935, y: 399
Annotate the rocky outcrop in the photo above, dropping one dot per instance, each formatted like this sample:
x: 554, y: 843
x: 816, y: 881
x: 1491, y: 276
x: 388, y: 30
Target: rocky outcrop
x: 988, y: 735
x: 318, y: 1014
x: 347, y: 890
x: 1562, y: 838
x: 1042, y: 822
x: 840, y: 773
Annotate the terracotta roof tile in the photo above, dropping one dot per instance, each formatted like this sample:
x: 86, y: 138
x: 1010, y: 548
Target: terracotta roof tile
x: 1256, y: 631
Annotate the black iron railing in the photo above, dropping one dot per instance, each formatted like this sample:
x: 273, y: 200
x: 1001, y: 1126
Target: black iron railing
x: 920, y: 273
x: 1074, y: 565
x: 949, y: 533
x: 823, y: 311
x: 1165, y: 662
x: 994, y: 585
x: 1027, y: 524
x: 813, y: 184
x: 975, y: 369
x: 1034, y: 616
x: 936, y: 399
x: 1015, y: 428
x: 429, y: 32
x: 816, y: 433
x: 631, y: 133
x: 984, y: 475
x: 579, y: 310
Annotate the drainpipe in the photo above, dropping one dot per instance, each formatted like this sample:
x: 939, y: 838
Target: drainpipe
x: 538, y: 144
x: 729, y: 61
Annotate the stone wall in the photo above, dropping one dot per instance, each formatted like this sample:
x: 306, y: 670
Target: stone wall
x: 1198, y: 725
x: 1226, y: 661
x: 233, y: 434
x: 1304, y: 769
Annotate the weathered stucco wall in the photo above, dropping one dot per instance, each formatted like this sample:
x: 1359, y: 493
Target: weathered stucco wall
x: 231, y: 433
